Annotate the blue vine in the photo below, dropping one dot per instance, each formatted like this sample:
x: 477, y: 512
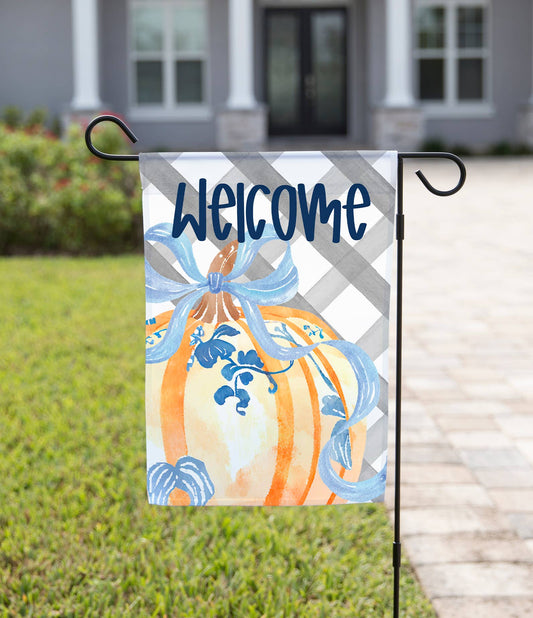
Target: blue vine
x: 239, y: 372
x: 314, y: 330
x: 282, y: 332
x: 158, y: 334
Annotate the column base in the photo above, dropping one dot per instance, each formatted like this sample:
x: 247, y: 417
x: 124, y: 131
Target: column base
x: 525, y: 125
x: 242, y: 129
x: 397, y: 128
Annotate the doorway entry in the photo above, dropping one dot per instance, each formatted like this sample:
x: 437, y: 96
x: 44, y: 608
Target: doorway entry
x: 305, y: 71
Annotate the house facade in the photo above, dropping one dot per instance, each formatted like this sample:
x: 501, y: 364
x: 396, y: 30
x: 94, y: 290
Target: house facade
x: 239, y: 74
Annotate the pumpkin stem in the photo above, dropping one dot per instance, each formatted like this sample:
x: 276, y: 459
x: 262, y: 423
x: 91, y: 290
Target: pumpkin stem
x: 219, y: 307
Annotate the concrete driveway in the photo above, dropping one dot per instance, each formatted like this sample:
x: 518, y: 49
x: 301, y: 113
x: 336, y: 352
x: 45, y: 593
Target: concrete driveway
x: 467, y: 432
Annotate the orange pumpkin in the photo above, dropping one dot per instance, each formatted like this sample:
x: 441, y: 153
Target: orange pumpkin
x: 253, y: 420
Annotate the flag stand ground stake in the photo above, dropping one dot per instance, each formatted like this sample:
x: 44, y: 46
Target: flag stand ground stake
x: 396, y: 552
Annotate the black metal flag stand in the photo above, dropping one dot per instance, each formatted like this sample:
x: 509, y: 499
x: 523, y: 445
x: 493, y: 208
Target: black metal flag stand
x: 396, y: 547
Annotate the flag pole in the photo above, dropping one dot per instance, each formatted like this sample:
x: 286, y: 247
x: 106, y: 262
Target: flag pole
x: 396, y: 545
x: 396, y: 549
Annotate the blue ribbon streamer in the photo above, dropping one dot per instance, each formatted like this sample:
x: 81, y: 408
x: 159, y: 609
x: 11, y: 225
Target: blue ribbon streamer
x: 276, y: 288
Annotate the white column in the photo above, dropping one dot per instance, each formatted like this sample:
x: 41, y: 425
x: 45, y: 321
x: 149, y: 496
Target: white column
x: 241, y: 55
x: 85, y: 55
x: 398, y: 57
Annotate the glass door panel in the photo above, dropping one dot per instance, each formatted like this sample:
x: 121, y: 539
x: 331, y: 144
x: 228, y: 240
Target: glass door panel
x: 283, y: 69
x: 306, y: 70
x: 328, y: 67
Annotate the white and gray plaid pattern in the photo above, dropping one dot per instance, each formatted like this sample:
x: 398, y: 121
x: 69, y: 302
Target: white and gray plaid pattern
x: 346, y: 283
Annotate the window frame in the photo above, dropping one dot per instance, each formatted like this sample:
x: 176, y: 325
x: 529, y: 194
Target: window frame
x: 170, y: 108
x: 451, y: 53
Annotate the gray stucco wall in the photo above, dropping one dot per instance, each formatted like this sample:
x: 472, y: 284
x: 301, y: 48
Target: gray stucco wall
x: 36, y: 69
x: 510, y: 67
x: 511, y: 59
x: 112, y: 29
x: 36, y: 54
x: 363, y: 28
x: 114, y: 66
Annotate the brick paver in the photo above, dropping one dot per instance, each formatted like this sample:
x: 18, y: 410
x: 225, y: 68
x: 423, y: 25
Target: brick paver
x: 467, y: 431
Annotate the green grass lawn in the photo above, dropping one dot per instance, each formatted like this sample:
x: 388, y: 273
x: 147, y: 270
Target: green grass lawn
x: 77, y: 537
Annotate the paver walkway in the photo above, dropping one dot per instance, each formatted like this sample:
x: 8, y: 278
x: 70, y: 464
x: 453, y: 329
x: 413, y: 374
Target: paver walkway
x: 467, y: 431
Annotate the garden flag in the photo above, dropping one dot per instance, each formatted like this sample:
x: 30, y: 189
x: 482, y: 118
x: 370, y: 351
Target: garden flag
x: 267, y: 311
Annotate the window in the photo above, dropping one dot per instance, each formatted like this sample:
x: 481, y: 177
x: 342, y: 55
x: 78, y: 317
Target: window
x: 169, y: 50
x: 452, y: 52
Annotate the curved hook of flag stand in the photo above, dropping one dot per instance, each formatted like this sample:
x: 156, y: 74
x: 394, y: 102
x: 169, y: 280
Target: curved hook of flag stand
x: 423, y: 179
x: 396, y: 553
x: 104, y: 155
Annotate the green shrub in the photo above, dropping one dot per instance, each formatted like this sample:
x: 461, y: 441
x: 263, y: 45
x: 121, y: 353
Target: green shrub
x: 522, y: 149
x: 500, y: 149
x: 461, y: 150
x: 434, y: 144
x: 503, y: 149
x: 12, y: 116
x: 56, y: 197
x: 37, y: 117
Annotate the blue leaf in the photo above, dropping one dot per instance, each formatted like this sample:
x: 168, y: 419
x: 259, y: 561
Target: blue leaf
x: 246, y: 377
x: 189, y: 474
x: 161, y: 481
x: 225, y: 330
x: 208, y: 352
x: 253, y: 359
x: 222, y: 394
x: 193, y: 478
x: 244, y: 400
x: 332, y: 406
x: 229, y: 370
x: 249, y: 358
x: 342, y: 447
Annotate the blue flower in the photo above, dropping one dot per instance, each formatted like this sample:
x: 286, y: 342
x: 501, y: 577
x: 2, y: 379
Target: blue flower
x: 196, y: 337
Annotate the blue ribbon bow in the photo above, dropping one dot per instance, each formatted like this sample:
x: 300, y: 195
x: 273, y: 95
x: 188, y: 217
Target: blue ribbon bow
x: 276, y: 288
